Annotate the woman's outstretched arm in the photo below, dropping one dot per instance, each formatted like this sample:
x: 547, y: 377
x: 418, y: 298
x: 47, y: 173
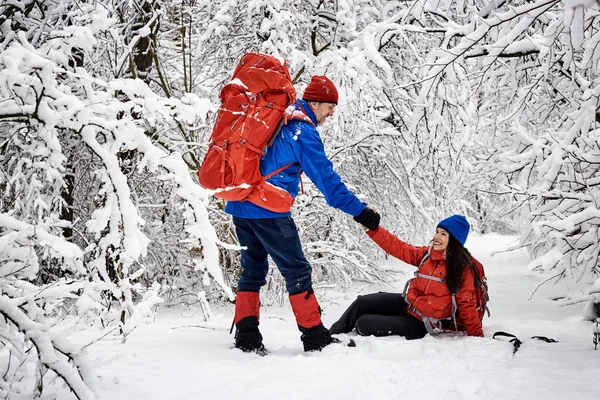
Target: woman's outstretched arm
x: 392, y: 245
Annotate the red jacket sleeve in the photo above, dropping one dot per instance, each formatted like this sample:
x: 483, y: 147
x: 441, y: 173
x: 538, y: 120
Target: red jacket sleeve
x: 395, y: 247
x: 466, y: 305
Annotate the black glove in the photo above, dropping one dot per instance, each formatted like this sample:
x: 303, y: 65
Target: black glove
x: 368, y: 218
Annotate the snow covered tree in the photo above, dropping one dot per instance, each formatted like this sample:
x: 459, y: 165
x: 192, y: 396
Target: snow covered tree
x: 75, y: 135
x: 526, y: 75
x: 554, y: 165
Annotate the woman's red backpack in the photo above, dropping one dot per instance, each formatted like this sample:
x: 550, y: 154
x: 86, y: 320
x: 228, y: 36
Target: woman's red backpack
x: 253, y: 105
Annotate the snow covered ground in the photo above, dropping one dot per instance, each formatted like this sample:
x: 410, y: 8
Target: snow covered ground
x: 181, y: 357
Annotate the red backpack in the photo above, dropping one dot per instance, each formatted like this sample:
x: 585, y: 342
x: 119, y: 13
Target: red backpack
x: 253, y: 105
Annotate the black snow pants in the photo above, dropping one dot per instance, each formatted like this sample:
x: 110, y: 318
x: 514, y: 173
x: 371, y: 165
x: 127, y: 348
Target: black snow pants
x: 380, y: 314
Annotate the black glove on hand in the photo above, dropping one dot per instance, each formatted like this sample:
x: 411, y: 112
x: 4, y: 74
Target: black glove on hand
x: 368, y: 218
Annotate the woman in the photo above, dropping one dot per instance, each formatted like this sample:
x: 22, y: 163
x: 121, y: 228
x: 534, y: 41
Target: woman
x: 427, y: 302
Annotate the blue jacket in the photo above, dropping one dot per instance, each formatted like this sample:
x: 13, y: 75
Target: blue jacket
x: 299, y: 143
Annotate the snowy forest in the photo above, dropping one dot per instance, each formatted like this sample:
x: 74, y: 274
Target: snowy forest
x: 485, y: 108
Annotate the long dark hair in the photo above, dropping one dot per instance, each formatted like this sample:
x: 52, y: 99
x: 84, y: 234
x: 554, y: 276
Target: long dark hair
x: 457, y: 259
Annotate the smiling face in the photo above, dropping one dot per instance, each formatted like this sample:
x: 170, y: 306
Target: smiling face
x: 440, y: 239
x: 322, y: 111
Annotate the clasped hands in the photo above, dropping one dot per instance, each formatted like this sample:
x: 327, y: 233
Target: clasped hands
x: 369, y: 218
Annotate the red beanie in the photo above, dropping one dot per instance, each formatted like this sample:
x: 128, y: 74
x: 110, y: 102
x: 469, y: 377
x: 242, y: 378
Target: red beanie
x: 321, y: 89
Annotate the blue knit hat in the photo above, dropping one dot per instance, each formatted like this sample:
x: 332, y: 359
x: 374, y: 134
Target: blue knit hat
x: 457, y: 226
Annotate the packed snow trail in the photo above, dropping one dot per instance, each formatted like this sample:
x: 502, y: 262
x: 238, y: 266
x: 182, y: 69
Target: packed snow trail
x: 181, y: 357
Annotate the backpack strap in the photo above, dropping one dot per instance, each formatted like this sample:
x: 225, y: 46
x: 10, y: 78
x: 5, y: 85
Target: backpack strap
x: 454, y: 310
x: 486, y: 295
x: 480, y: 282
x: 278, y: 170
x: 545, y: 339
x: 425, y: 257
x: 512, y: 339
x: 430, y: 277
x: 424, y: 276
x: 291, y: 114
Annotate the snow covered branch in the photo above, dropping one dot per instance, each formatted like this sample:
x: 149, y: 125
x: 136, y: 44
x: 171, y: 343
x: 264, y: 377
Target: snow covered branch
x: 53, y: 352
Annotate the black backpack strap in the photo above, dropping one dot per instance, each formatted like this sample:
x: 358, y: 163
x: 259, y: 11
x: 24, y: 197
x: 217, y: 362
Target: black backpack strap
x: 513, y: 339
x: 545, y: 339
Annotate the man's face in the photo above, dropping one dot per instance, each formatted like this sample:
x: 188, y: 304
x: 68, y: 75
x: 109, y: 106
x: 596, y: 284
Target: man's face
x: 322, y: 111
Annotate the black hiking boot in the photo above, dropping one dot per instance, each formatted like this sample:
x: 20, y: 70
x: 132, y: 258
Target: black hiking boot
x: 316, y: 338
x: 248, y: 337
x: 250, y: 342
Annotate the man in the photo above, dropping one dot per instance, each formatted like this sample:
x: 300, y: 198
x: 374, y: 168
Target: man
x: 264, y: 232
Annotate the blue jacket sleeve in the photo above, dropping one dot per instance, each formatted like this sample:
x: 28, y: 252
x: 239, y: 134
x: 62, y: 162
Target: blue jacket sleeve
x: 310, y: 152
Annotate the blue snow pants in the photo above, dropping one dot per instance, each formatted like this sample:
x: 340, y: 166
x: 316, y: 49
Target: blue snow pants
x: 278, y: 238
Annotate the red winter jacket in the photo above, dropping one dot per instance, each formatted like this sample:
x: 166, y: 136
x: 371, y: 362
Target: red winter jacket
x: 432, y: 298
